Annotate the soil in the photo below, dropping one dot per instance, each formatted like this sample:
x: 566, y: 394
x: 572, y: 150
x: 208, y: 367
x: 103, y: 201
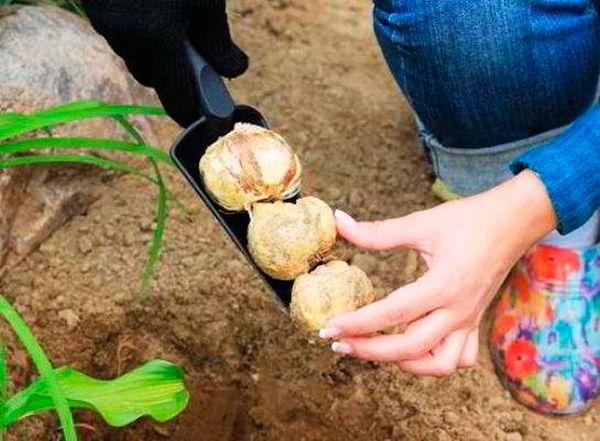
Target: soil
x: 318, y: 74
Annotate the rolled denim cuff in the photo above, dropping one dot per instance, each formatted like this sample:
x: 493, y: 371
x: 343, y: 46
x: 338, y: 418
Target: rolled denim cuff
x: 569, y: 167
x: 470, y: 171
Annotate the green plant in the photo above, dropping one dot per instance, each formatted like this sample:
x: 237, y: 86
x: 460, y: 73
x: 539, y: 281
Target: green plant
x: 16, y: 151
x: 156, y: 389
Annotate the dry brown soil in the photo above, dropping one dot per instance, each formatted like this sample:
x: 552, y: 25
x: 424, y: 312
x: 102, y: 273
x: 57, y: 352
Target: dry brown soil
x: 317, y: 73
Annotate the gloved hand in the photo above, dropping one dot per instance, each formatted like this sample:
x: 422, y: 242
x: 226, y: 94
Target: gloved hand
x: 149, y: 36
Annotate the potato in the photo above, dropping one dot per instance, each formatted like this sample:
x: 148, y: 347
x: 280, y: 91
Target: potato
x: 248, y: 165
x: 286, y: 239
x: 329, y: 290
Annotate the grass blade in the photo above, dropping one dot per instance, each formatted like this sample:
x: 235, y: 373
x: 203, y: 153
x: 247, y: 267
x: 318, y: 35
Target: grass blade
x: 79, y: 159
x: 3, y: 383
x: 76, y: 8
x: 129, y: 128
x: 43, y: 365
x: 155, y: 246
x: 13, y: 124
x: 3, y: 373
x: 84, y: 143
x: 71, y: 106
x: 135, y: 134
x: 162, y: 212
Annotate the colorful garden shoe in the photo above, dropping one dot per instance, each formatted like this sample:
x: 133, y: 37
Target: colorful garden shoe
x: 545, y: 340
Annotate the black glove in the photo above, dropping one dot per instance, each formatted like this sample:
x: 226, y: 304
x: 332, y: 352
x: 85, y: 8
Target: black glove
x: 149, y: 36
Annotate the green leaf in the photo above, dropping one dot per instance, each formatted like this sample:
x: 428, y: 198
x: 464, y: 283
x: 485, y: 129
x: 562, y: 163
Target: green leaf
x: 135, y: 134
x: 162, y: 211
x: 3, y: 382
x: 154, y: 249
x: 13, y: 124
x: 129, y: 128
x: 56, y: 396
x: 84, y: 143
x: 155, y: 389
x: 3, y: 373
x: 71, y: 106
x: 79, y: 159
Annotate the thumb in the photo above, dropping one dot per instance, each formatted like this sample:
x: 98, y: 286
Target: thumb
x: 381, y: 234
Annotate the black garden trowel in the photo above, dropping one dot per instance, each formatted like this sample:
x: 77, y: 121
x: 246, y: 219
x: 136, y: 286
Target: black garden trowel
x: 220, y: 113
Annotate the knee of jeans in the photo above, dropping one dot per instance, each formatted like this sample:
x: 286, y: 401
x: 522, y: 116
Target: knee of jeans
x: 479, y: 75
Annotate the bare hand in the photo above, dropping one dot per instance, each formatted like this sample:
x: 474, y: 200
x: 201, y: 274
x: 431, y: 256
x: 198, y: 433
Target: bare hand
x: 469, y: 246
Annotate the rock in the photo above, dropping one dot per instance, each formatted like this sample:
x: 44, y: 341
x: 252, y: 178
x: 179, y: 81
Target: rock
x: 517, y: 416
x: 513, y: 436
x: 436, y: 435
x: 146, y: 225
x: 85, y: 267
x: 451, y: 418
x: 69, y: 317
x: 49, y: 56
x: 161, y: 430
x: 85, y: 245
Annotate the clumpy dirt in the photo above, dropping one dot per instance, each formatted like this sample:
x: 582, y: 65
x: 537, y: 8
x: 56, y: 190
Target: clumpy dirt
x: 317, y: 73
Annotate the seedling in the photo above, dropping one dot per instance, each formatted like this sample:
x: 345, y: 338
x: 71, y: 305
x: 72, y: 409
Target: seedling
x: 156, y: 389
x: 16, y: 151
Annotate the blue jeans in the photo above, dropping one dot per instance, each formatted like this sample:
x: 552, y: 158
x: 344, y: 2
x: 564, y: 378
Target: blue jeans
x: 480, y: 73
x: 490, y: 79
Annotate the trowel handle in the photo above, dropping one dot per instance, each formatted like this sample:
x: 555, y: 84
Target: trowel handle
x: 212, y: 94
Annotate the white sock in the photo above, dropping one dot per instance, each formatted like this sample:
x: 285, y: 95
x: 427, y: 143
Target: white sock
x: 583, y: 237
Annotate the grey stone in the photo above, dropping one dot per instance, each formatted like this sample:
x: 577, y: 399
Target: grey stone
x: 49, y: 56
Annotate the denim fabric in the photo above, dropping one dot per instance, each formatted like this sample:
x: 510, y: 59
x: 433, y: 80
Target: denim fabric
x: 499, y: 78
x: 480, y: 73
x: 470, y: 171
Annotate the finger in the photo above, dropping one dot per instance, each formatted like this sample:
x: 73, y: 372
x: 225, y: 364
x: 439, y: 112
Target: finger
x: 404, y: 305
x: 419, y: 338
x: 469, y: 355
x: 444, y: 359
x: 382, y: 234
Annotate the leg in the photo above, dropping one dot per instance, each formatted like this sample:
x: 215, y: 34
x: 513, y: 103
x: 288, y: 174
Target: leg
x: 480, y: 73
x: 489, y: 80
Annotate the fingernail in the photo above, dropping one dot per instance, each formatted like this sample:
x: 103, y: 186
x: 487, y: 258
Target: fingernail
x: 342, y: 216
x: 330, y: 332
x: 341, y: 348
